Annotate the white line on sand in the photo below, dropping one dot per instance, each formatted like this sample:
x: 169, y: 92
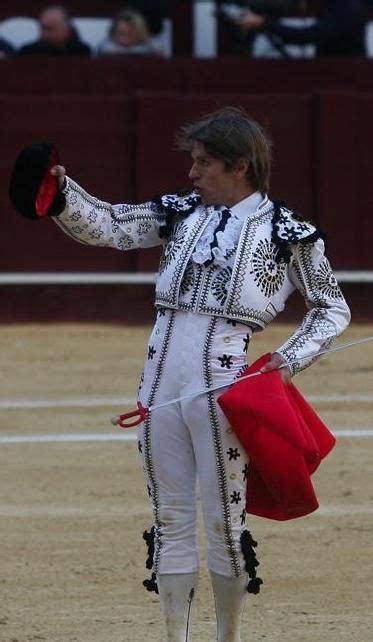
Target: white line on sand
x: 130, y: 435
x: 55, y: 510
x: 82, y: 402
x: 68, y: 438
x: 87, y: 402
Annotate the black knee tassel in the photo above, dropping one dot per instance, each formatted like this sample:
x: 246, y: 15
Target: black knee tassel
x: 150, y: 585
x: 248, y: 545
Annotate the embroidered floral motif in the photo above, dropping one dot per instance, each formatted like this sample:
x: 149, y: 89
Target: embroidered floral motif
x: 233, y: 453
x: 268, y: 275
x: 188, y: 279
x: 178, y: 203
x: 291, y: 227
x: 246, y: 341
x: 226, y: 361
x: 171, y: 208
x: 235, y: 497
x: 126, y: 242
x: 327, y: 283
x: 143, y: 227
x: 114, y: 226
x: 92, y: 216
x: 219, y: 286
x: 173, y: 246
x: 140, y: 383
x: 288, y: 227
x: 151, y: 352
x: 96, y: 233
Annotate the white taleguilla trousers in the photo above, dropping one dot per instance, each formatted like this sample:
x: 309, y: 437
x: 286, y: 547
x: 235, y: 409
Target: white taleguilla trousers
x: 189, y: 439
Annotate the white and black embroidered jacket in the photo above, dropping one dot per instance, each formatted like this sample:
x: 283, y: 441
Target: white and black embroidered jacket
x: 276, y: 254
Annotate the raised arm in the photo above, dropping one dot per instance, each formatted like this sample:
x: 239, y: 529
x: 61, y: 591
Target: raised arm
x: 94, y: 222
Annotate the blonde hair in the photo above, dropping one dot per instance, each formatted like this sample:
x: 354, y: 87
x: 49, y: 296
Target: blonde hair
x: 133, y: 18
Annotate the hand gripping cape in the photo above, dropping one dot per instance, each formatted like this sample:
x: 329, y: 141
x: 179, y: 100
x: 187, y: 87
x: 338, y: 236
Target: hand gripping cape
x: 282, y: 435
x: 284, y: 439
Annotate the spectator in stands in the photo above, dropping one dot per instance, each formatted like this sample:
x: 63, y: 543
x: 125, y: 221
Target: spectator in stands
x: 128, y: 34
x: 237, y: 40
x: 338, y: 31
x: 58, y: 36
x: 154, y: 12
x: 6, y: 48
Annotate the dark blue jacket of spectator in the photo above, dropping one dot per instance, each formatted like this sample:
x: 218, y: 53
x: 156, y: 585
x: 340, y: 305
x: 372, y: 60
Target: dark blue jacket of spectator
x: 339, y: 31
x: 6, y: 48
x: 72, y: 47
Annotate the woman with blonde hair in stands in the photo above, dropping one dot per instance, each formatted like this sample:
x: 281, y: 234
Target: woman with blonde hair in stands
x: 128, y: 34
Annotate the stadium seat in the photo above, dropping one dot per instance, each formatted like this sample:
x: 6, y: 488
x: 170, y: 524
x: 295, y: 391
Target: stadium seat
x: 264, y: 47
x: 163, y: 41
x: 92, y: 30
x: 19, y: 30
x: 369, y: 39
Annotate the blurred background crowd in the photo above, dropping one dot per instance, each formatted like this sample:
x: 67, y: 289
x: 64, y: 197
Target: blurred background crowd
x: 257, y: 28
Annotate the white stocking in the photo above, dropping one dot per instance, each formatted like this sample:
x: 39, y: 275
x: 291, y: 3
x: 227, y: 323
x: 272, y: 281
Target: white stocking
x: 230, y: 594
x: 176, y: 592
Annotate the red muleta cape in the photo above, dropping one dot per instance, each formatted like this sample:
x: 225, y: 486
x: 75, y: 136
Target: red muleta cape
x: 284, y: 439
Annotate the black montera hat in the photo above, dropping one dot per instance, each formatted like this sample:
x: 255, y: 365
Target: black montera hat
x: 33, y: 190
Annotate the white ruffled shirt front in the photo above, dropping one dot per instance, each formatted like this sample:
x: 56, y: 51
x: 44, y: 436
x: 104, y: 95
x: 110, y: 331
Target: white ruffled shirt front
x: 228, y: 239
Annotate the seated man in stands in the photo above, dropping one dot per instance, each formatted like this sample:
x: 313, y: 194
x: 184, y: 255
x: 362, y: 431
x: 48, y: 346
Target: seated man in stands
x: 236, y: 39
x: 128, y: 34
x: 338, y: 31
x: 58, y: 36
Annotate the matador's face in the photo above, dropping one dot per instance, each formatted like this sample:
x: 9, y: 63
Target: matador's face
x: 215, y: 184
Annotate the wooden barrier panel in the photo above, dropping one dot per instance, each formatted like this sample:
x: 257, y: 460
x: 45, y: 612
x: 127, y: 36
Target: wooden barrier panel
x: 122, y: 75
x: 248, y: 75
x: 345, y: 176
x: 119, y: 144
x: 363, y: 211
x: 94, y: 136
x: 288, y: 119
x: 110, y: 75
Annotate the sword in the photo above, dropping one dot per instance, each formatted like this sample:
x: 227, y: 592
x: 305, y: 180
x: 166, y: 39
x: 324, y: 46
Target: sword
x: 141, y: 413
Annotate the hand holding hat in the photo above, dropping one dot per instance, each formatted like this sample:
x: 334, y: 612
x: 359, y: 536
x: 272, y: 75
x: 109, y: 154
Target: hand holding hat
x: 36, y: 182
x: 60, y: 172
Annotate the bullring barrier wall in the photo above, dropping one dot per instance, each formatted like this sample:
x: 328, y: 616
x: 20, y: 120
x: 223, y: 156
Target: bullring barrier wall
x: 114, y: 123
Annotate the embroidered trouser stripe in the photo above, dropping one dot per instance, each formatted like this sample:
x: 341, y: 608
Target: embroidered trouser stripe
x: 147, y: 441
x: 223, y: 486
